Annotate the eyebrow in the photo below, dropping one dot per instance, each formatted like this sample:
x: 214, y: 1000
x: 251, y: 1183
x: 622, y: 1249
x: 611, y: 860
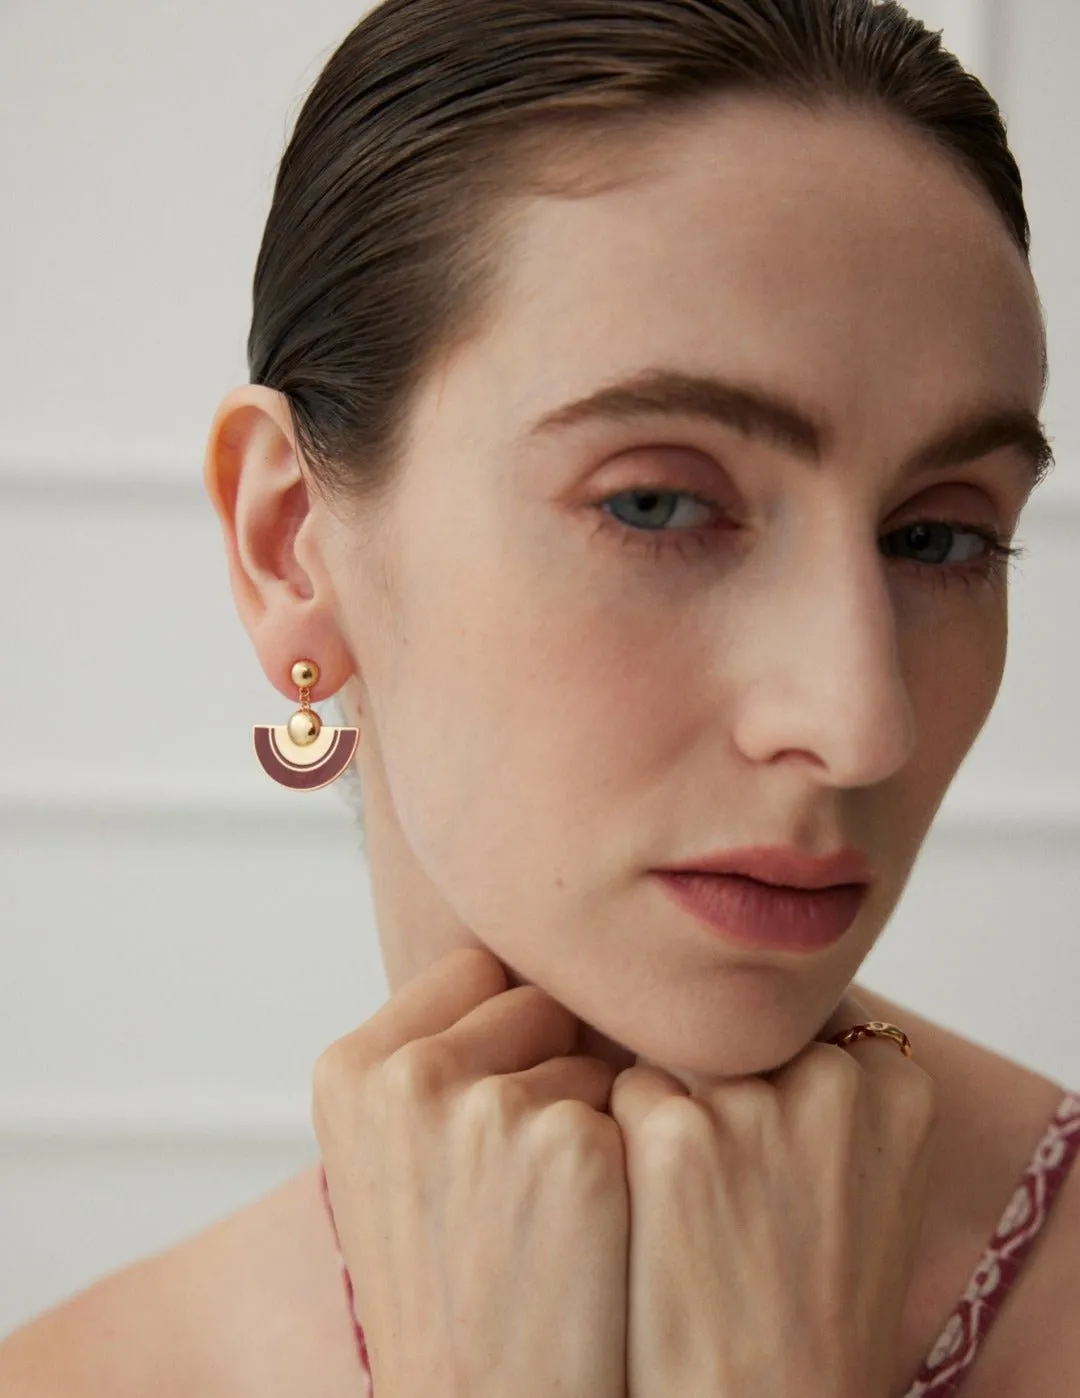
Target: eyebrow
x: 767, y: 416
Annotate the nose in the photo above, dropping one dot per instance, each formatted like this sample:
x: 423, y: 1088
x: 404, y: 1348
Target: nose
x: 821, y: 675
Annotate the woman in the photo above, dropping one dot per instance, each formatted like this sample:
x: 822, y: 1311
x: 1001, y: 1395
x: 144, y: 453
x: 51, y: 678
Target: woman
x: 644, y: 394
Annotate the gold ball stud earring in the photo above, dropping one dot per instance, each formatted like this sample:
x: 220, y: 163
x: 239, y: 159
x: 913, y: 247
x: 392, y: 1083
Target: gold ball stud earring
x: 305, y: 724
x: 305, y: 753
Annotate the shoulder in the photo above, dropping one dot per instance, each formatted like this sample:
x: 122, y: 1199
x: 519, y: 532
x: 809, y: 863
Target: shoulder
x: 253, y: 1305
x: 994, y: 1113
x: 106, y: 1339
x: 1033, y: 1347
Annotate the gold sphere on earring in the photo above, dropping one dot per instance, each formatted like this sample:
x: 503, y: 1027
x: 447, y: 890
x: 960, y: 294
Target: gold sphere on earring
x: 305, y: 674
x: 304, y: 727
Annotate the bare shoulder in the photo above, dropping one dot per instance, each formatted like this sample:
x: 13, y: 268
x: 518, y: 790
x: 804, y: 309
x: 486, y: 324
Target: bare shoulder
x: 106, y: 1339
x: 1034, y: 1349
x: 253, y: 1305
x: 993, y: 1114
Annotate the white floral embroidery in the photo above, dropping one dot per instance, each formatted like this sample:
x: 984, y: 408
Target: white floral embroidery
x: 1051, y: 1151
x: 958, y: 1342
x: 1017, y: 1212
x: 1070, y: 1107
x: 984, y: 1280
x: 948, y: 1342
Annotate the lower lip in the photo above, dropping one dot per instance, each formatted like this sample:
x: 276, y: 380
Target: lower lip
x: 764, y: 915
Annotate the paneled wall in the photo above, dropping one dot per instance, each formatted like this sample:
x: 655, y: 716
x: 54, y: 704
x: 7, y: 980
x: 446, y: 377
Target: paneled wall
x: 181, y: 938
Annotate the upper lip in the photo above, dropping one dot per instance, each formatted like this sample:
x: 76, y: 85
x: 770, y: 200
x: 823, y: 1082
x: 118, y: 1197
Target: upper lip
x: 787, y: 865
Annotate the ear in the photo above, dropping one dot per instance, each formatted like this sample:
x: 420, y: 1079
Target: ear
x: 284, y: 597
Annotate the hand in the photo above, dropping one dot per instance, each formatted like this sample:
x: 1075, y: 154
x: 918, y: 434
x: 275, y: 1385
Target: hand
x: 479, y: 1190
x: 773, y: 1221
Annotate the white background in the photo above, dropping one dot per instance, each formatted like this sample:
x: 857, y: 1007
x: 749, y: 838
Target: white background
x: 180, y: 938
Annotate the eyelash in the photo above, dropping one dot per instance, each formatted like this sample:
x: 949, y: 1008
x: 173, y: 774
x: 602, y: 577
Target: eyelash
x: 658, y: 542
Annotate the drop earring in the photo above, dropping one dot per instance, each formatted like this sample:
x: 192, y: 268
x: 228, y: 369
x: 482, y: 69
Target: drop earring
x: 304, y: 754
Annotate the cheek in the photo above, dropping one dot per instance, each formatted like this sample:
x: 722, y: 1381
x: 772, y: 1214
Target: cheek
x: 953, y: 669
x: 521, y: 732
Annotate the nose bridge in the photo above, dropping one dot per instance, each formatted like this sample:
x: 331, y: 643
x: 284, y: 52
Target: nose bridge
x: 825, y: 677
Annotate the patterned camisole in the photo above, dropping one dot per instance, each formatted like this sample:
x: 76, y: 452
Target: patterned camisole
x: 958, y: 1342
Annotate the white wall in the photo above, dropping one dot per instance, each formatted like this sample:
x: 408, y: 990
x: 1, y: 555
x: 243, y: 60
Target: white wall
x: 181, y: 938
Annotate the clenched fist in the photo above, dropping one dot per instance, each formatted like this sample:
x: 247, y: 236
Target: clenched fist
x: 773, y: 1221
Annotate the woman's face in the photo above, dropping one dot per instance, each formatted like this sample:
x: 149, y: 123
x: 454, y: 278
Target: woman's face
x: 590, y: 650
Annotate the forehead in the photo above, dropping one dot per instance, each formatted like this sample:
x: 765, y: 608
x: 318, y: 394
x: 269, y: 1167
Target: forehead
x: 832, y: 255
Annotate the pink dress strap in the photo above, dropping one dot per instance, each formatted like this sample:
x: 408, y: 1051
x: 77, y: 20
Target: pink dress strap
x: 954, y: 1351
x: 955, y: 1348
x: 361, y: 1343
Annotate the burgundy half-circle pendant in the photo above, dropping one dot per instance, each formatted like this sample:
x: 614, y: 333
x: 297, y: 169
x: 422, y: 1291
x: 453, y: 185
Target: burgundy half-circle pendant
x: 304, y: 768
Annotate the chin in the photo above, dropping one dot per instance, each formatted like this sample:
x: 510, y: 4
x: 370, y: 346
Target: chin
x: 735, y: 1060
x: 763, y: 1053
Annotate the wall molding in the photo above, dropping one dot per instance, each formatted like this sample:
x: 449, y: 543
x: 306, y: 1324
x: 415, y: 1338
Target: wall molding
x: 69, y: 1120
x: 154, y: 477
x: 83, y: 796
x: 153, y: 464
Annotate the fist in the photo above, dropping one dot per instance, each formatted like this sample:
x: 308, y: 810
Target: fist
x: 773, y: 1221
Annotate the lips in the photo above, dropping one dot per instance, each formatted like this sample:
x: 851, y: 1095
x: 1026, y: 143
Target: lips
x: 764, y: 915
x: 785, y: 866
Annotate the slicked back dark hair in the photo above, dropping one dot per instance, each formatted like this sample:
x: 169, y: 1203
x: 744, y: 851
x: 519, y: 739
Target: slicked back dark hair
x: 433, y: 118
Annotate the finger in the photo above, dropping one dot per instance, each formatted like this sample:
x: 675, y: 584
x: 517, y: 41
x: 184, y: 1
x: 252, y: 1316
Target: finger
x: 430, y: 1002
x: 637, y: 1090
x: 572, y: 1076
x: 512, y: 1032
x: 877, y: 1057
x: 849, y: 1010
x: 870, y: 1048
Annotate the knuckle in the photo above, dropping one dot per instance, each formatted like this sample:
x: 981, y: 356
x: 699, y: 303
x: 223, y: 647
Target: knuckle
x: 492, y: 1110
x: 568, y: 1119
x: 839, y: 1072
x: 334, y: 1068
x: 502, y: 1098
x: 571, y: 1133
x: 337, y: 1077
x: 830, y: 1078
x: 602, y: 1152
x: 561, y: 1125
x: 675, y: 1127
x: 417, y: 1071
x: 323, y: 1076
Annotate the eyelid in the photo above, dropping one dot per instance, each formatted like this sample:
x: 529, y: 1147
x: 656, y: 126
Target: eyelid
x: 718, y: 489
x: 988, y: 507
x: 685, y: 470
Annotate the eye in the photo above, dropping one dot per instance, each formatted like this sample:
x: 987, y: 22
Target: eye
x: 654, y: 507
x: 986, y: 551
x: 983, y: 554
